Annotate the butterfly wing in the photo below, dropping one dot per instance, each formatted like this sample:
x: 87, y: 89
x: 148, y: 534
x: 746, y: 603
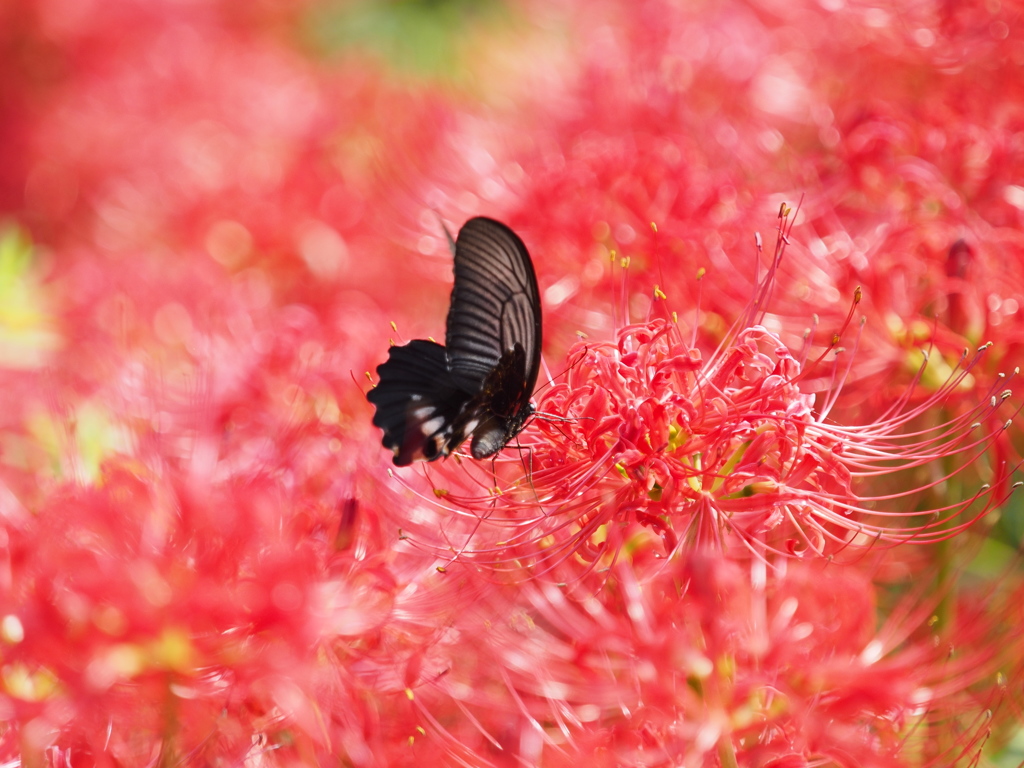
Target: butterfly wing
x: 494, y: 332
x: 418, y: 404
x: 495, y: 305
x: 430, y: 398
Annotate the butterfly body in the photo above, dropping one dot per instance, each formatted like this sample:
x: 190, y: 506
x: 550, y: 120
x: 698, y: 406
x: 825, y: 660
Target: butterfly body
x: 431, y: 398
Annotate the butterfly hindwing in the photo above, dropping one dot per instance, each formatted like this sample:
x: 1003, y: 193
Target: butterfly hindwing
x: 417, y: 403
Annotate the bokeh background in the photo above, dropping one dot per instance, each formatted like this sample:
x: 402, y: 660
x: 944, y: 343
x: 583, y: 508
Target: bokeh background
x: 211, y: 213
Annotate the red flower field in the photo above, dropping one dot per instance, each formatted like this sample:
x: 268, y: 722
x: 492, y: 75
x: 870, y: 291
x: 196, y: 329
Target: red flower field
x: 768, y: 512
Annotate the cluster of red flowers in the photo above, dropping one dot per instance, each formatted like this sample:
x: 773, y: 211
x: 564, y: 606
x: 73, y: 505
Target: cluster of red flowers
x: 773, y: 527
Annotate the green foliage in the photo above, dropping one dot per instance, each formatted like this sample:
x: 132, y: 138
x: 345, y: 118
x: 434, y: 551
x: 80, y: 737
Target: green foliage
x: 416, y: 37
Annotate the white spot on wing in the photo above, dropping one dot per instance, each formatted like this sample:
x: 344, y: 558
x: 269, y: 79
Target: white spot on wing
x: 430, y: 427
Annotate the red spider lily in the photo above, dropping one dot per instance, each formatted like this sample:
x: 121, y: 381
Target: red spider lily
x: 226, y: 226
x: 704, y: 661
x: 120, y: 598
x: 725, y: 451
x: 183, y: 612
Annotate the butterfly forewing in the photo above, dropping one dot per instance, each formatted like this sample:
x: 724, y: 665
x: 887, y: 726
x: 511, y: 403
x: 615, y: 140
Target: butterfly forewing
x: 495, y: 304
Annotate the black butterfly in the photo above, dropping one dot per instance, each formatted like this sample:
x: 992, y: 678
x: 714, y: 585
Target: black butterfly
x: 430, y: 398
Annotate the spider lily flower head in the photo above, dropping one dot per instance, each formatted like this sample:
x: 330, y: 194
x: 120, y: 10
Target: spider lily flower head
x: 706, y: 660
x: 734, y: 449
x: 231, y: 619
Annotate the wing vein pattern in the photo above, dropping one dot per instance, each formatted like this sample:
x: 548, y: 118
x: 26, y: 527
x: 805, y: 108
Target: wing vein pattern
x: 495, y: 303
